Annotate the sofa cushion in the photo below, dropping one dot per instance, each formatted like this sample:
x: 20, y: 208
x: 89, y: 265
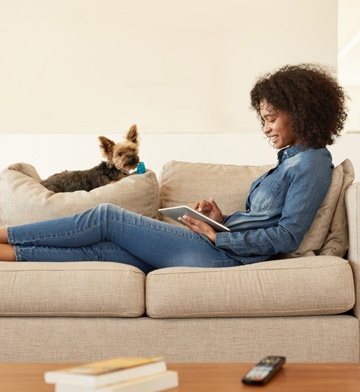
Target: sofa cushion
x: 24, y: 200
x: 229, y: 185
x: 80, y: 289
x: 316, y: 285
x: 328, y: 235
x: 337, y: 240
x: 184, y: 183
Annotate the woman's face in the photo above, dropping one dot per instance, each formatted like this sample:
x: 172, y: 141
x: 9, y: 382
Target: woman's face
x: 277, y: 126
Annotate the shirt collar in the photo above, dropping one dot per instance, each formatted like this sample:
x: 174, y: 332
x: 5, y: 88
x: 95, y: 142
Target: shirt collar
x: 288, y: 152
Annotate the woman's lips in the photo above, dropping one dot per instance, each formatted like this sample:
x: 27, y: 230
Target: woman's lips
x: 274, y: 138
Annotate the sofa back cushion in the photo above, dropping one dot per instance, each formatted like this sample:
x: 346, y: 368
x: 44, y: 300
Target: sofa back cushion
x: 337, y: 238
x: 184, y: 183
x: 24, y: 200
x: 328, y: 234
x: 187, y: 183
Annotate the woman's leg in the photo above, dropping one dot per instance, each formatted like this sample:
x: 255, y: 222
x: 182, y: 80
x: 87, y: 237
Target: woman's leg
x: 7, y: 253
x: 153, y: 242
x: 3, y: 236
x: 101, y: 251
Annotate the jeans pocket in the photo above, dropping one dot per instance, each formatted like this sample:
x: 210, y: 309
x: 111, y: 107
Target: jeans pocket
x: 225, y: 263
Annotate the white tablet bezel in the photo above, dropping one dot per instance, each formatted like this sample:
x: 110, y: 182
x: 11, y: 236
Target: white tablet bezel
x: 176, y: 212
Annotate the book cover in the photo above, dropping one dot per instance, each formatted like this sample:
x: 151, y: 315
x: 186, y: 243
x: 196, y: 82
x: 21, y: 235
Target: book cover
x: 154, y: 383
x: 110, y: 371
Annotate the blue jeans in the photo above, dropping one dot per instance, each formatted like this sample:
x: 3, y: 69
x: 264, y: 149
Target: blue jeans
x: 110, y: 233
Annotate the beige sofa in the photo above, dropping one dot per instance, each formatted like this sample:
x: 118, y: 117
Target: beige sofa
x: 303, y: 306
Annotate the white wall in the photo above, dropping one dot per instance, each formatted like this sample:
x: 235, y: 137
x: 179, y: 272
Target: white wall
x: 353, y: 123
x: 98, y: 66
x: 72, y: 70
x: 349, y: 57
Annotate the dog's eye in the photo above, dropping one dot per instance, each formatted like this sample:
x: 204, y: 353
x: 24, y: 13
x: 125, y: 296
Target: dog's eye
x: 120, y: 154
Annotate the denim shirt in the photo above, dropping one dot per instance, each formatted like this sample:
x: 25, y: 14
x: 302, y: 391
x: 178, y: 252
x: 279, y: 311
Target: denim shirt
x: 280, y: 207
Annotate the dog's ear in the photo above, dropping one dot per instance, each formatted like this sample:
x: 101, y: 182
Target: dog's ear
x: 132, y: 134
x: 106, y: 145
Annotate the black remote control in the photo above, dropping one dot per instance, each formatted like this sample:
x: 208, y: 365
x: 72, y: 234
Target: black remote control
x: 264, y: 370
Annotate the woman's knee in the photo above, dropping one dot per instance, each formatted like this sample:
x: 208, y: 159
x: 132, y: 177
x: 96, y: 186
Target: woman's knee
x: 107, y: 210
x: 111, y: 212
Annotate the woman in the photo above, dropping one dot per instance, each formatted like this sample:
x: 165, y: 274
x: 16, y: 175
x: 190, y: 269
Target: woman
x: 302, y: 109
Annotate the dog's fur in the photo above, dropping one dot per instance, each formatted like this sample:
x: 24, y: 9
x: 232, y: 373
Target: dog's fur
x: 121, y: 158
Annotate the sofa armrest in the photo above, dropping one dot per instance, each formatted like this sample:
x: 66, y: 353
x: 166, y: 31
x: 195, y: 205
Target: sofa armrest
x: 352, y: 202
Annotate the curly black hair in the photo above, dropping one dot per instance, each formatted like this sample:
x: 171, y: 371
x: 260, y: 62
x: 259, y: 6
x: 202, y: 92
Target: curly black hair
x: 310, y: 96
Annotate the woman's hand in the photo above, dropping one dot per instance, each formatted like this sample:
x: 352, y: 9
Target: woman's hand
x: 210, y: 209
x: 199, y: 227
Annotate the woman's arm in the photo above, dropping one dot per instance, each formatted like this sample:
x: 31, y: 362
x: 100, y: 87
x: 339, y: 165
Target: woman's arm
x: 308, y: 185
x: 199, y: 227
x: 209, y: 209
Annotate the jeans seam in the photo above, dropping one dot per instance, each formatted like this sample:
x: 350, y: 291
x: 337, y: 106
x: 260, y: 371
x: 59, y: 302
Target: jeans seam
x: 220, y: 263
x: 61, y: 236
x: 10, y: 236
x: 17, y: 252
x: 198, y: 237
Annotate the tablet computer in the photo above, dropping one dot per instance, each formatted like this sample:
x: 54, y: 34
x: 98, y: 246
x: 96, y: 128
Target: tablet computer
x: 176, y: 212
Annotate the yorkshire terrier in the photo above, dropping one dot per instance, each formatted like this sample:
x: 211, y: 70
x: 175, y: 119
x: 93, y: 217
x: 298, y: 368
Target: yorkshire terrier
x: 121, y: 158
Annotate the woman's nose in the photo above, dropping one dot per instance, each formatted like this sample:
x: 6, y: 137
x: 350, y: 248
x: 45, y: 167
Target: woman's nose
x: 266, y: 128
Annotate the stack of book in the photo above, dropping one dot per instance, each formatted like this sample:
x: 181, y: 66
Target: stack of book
x: 119, y: 374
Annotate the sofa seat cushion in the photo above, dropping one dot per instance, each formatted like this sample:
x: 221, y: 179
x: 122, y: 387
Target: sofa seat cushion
x: 73, y: 289
x: 316, y: 285
x: 24, y: 200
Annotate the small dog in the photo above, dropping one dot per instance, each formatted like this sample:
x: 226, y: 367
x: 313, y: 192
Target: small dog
x: 121, y: 158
